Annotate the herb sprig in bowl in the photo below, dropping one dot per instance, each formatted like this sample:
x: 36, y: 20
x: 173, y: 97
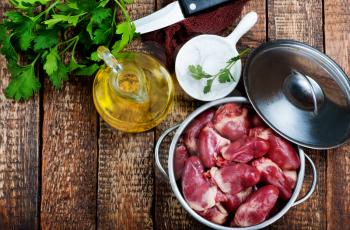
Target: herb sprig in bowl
x: 224, y: 75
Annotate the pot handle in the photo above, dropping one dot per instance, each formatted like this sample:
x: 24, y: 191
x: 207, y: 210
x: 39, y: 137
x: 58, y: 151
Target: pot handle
x: 156, y: 150
x: 313, y: 185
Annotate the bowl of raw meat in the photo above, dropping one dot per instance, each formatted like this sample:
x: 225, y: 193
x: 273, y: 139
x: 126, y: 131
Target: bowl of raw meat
x: 229, y: 170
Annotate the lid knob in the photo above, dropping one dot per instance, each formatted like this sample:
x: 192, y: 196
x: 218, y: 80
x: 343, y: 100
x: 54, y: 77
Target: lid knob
x: 303, y: 92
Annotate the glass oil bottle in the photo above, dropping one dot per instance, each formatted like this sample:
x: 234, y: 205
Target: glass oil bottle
x: 134, y: 93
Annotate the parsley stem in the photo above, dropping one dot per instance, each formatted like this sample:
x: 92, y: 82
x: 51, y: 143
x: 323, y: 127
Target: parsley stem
x: 35, y: 60
x: 46, y: 11
x: 75, y: 45
x: 71, y: 39
x: 126, y: 15
x: 114, y: 16
x: 74, y: 41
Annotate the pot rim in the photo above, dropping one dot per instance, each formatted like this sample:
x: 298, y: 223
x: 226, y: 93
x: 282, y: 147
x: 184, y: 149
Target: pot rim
x: 183, y: 202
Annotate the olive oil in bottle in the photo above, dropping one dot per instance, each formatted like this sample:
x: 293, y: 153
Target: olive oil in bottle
x: 133, y: 93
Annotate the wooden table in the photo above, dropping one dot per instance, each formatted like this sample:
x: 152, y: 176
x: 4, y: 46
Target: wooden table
x: 61, y: 167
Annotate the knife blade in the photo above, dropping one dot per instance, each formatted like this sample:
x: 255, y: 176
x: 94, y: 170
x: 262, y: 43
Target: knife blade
x: 173, y: 13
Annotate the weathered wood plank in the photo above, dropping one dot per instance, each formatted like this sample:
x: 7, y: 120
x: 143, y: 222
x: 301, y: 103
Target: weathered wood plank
x: 69, y: 157
x: 302, y: 21
x: 169, y: 212
x: 257, y: 35
x: 19, y: 156
x: 337, y: 46
x: 125, y: 176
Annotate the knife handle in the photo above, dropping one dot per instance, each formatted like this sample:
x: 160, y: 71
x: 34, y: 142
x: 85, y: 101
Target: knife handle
x: 192, y: 7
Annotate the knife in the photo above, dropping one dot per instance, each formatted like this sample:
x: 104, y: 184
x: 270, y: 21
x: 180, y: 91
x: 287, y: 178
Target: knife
x: 173, y: 13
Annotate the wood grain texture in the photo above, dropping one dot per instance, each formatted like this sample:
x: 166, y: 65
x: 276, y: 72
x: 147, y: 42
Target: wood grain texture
x: 125, y: 176
x: 69, y: 157
x: 19, y: 156
x: 169, y: 212
x: 302, y: 21
x: 337, y: 46
x: 257, y: 35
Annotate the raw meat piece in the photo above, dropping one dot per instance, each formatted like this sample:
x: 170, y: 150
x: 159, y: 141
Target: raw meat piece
x: 257, y: 121
x: 257, y: 207
x: 209, y: 145
x: 199, y: 193
x: 180, y: 158
x: 245, y: 149
x: 261, y: 132
x: 234, y: 201
x: 216, y: 214
x: 281, y: 151
x: 272, y: 174
x: 231, y: 121
x: 221, y: 162
x: 235, y: 178
x: 192, y: 131
x: 291, y: 176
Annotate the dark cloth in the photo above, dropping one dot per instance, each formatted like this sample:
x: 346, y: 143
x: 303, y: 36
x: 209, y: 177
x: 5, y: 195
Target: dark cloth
x: 212, y: 22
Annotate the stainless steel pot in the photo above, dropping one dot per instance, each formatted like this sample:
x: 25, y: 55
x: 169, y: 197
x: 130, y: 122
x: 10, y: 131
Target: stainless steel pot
x: 171, y: 176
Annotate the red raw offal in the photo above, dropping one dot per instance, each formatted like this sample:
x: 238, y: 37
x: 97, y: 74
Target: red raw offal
x: 257, y: 207
x: 291, y: 176
x: 245, y: 149
x: 181, y: 155
x: 231, y: 121
x: 173, y: 37
x: 192, y: 131
x: 234, y: 201
x: 199, y: 193
x: 209, y: 145
x: 281, y: 151
x: 216, y: 214
x: 235, y: 178
x: 257, y: 121
x: 272, y: 174
x: 261, y: 132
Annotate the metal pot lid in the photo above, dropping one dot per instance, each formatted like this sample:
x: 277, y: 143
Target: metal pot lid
x: 300, y: 92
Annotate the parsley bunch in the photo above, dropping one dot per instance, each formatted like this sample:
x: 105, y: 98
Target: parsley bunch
x: 224, y: 75
x: 61, y: 37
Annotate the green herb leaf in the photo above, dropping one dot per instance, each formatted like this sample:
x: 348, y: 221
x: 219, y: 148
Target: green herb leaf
x: 87, y: 71
x: 102, y: 34
x: 225, y: 76
x: 197, y: 72
x: 73, y: 65
x: 14, y: 17
x: 103, y: 3
x: 23, y: 83
x: 7, y: 49
x: 24, y: 4
x: 97, y: 18
x: 46, y: 39
x: 22, y: 28
x: 60, y: 75
x: 56, y: 18
x: 207, y: 88
x: 95, y: 57
x: 100, y: 14
x: 52, y: 59
x: 127, y: 31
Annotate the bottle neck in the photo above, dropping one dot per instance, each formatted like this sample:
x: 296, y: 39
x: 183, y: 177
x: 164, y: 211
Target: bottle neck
x: 125, y: 79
